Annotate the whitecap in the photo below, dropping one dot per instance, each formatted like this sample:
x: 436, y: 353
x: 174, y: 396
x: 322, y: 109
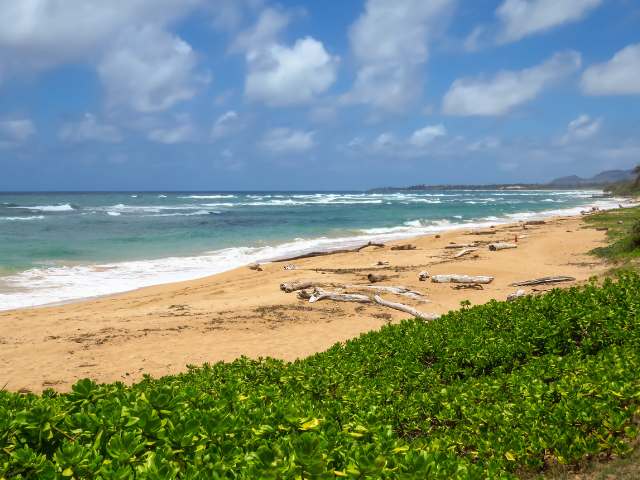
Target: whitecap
x: 49, y: 208
x: 17, y: 219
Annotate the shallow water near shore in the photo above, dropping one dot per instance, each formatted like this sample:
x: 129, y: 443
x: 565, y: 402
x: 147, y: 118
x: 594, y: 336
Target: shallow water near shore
x: 63, y: 246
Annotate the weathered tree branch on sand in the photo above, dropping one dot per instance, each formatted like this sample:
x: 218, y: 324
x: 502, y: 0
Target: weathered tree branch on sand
x: 408, y: 246
x: 543, y: 280
x: 461, y: 279
x: 461, y: 245
x: 483, y: 232
x: 320, y: 294
x: 468, y: 286
x: 465, y: 251
x: 331, y: 252
x: 301, y: 287
x: 396, y: 290
x: 501, y: 246
x: 404, y: 308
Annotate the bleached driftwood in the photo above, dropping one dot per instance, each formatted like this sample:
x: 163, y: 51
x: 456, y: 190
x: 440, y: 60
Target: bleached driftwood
x: 481, y: 279
x: 290, y: 266
x: 396, y: 290
x: 543, y: 280
x: 461, y: 245
x: 331, y: 252
x: 517, y: 294
x: 404, y: 308
x: 423, y: 276
x: 302, y: 286
x: 501, y: 246
x: 299, y: 285
x: 465, y: 251
x: 320, y: 294
x: 408, y: 246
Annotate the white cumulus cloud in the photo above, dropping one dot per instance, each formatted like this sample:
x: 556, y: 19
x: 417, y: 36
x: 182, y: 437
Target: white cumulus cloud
x: 89, y: 129
x: 581, y: 128
x: 287, y: 140
x: 506, y: 90
x: 521, y: 18
x: 279, y: 74
x: 45, y: 33
x: 426, y: 135
x: 149, y: 70
x: 618, y: 76
x: 390, y: 43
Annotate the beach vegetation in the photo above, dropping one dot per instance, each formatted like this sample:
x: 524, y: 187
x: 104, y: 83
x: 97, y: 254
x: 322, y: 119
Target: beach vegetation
x: 501, y: 390
x: 623, y: 236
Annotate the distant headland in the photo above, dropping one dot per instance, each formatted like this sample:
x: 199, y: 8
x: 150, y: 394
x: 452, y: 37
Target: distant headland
x: 600, y: 180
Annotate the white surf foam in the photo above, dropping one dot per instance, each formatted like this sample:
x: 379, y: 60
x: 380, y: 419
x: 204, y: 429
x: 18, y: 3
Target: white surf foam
x: 207, y: 197
x: 48, y: 208
x: 19, y: 219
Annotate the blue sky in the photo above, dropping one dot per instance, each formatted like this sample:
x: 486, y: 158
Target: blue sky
x: 257, y: 94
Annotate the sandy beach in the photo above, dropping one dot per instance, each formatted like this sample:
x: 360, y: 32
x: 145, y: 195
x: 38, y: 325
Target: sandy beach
x: 161, y: 329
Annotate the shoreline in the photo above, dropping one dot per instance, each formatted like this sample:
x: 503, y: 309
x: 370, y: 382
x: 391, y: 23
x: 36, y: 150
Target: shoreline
x: 243, y: 256
x: 160, y: 329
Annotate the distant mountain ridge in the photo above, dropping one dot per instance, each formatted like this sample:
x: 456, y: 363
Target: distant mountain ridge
x: 602, y: 179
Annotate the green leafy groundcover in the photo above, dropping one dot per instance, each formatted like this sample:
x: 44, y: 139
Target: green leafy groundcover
x: 499, y: 390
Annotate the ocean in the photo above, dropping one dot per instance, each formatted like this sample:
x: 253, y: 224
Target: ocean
x: 57, y: 247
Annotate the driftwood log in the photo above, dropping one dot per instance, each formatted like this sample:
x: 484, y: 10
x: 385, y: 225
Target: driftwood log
x: 465, y: 251
x: 302, y: 286
x: 535, y: 222
x: 331, y: 252
x: 501, y: 246
x: 483, y: 232
x: 320, y: 294
x: 461, y: 245
x: 404, y: 308
x: 408, y: 246
x: 481, y: 279
x: 543, y: 280
x: 469, y: 286
x: 396, y: 290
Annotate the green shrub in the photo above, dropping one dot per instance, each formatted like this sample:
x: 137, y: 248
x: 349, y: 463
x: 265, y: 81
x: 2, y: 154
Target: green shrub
x: 635, y: 234
x: 491, y: 391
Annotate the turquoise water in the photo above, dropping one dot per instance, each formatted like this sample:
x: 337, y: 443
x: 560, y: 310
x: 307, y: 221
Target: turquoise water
x: 61, y: 246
